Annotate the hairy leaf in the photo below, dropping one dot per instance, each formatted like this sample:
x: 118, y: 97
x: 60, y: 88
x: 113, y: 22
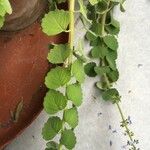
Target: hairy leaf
x: 71, y: 117
x: 54, y: 101
x: 111, y: 95
x: 111, y: 42
x: 74, y: 93
x: 55, y: 22
x: 59, y: 53
x: 57, y: 77
x: 89, y: 69
x: 78, y: 71
x: 68, y: 139
x: 99, y: 51
x: 51, y: 128
x: 102, y: 70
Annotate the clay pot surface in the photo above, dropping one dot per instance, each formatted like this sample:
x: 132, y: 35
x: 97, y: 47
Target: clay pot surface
x: 23, y: 66
x: 25, y: 12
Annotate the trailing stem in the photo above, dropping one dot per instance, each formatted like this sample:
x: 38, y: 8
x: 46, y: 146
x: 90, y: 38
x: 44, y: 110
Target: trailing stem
x: 124, y: 121
x: 66, y: 102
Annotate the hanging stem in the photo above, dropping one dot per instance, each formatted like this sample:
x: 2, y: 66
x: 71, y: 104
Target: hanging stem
x: 128, y: 132
x: 71, y: 28
x: 71, y: 45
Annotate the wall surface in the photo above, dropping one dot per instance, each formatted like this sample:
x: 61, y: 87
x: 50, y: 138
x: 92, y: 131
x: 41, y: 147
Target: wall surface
x: 134, y: 85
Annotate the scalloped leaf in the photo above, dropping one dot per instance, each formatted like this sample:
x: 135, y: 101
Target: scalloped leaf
x: 55, y: 22
x: 51, y: 128
x: 89, y: 69
x: 74, y: 93
x: 99, y: 51
x: 68, y: 139
x: 111, y: 95
x: 59, y: 53
x: 78, y: 71
x: 71, y: 117
x: 57, y: 77
x: 54, y: 101
x: 111, y: 42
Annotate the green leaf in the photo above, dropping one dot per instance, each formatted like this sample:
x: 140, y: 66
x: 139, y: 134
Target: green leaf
x: 78, y: 71
x: 113, y: 27
x: 101, y: 7
x: 111, y: 95
x: 59, y: 53
x: 54, y: 101
x: 51, y: 128
x: 68, y: 139
x: 113, y: 75
x: 101, y: 85
x: 99, y: 51
x: 111, y: 42
x: 89, y: 69
x: 74, y: 93
x: 83, y: 9
x: 2, y: 10
x: 71, y: 117
x: 6, y: 5
x: 96, y: 28
x: 102, y: 70
x: 57, y: 77
x: 111, y: 62
x: 55, y: 22
x: 89, y: 36
x: 52, y: 145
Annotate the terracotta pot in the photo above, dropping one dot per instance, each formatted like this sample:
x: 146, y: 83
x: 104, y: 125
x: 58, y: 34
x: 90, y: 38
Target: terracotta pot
x: 23, y: 66
x: 25, y: 12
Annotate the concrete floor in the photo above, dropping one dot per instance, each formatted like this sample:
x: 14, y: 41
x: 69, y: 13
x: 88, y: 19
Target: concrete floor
x: 134, y: 86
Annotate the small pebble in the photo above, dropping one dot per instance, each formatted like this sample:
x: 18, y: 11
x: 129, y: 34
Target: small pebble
x: 110, y: 143
x: 140, y: 65
x: 99, y: 114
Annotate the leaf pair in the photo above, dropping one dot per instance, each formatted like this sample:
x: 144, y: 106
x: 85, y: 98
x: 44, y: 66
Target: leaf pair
x: 51, y: 128
x: 55, y: 101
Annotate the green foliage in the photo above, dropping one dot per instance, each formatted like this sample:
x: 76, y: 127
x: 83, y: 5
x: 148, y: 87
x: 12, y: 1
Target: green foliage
x: 111, y: 95
x: 57, y: 77
x: 55, y: 22
x: 5, y: 8
x: 52, y: 146
x: 74, y: 93
x: 54, y: 101
x: 102, y: 70
x: 111, y: 42
x: 104, y: 47
x: 71, y: 117
x: 59, y: 53
x: 99, y: 51
x: 78, y: 71
x: 101, y: 7
x: 51, y: 128
x: 89, y: 69
x: 62, y: 77
x: 68, y: 139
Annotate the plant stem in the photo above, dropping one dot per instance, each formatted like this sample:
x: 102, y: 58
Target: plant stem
x: 123, y: 118
x: 103, y: 21
x: 71, y: 45
x: 71, y: 28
